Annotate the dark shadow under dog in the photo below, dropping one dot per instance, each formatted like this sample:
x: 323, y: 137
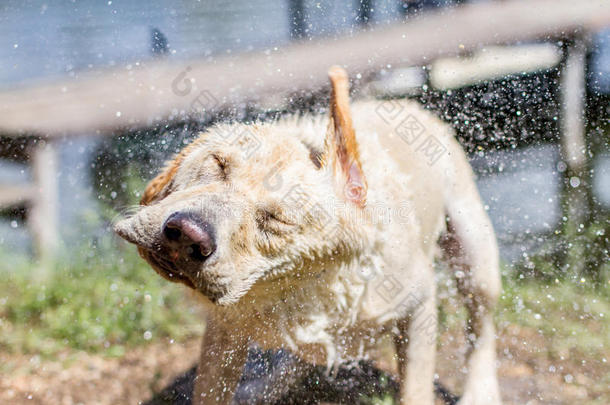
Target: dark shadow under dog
x: 280, y: 378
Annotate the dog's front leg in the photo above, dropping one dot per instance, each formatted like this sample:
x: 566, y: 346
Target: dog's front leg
x: 416, y: 351
x: 223, y: 354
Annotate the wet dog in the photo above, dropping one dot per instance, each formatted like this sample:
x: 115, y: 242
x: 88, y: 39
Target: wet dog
x: 318, y: 235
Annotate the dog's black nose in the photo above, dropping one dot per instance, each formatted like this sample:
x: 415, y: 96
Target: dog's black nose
x: 189, y: 236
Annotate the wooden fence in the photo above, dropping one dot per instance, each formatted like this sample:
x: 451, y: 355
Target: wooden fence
x: 139, y: 95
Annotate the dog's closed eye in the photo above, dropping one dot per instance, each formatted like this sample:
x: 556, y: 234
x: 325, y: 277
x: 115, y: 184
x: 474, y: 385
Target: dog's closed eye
x: 223, y: 166
x: 315, y: 155
x: 270, y: 220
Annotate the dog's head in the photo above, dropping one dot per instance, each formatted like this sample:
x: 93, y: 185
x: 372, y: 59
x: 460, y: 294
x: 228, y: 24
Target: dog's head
x: 248, y: 203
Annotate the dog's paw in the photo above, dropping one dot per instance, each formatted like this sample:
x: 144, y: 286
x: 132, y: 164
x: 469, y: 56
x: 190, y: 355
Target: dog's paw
x: 480, y: 397
x: 481, y: 391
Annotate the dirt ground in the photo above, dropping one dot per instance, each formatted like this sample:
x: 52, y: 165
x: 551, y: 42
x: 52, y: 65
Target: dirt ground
x: 527, y: 373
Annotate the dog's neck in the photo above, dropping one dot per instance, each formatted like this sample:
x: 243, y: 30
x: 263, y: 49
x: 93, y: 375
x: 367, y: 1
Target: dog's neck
x: 310, y: 310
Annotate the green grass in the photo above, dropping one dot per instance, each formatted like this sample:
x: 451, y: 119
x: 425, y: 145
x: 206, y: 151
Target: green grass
x: 103, y: 299
x: 106, y: 300
x: 570, y: 315
x: 573, y: 317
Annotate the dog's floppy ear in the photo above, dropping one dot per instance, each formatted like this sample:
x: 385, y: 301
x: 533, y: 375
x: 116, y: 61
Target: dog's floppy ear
x: 340, y: 148
x: 159, y: 187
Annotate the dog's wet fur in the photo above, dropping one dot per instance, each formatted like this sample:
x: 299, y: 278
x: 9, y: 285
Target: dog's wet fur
x: 318, y: 235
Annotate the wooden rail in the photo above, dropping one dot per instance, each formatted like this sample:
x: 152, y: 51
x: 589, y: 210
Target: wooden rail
x: 140, y: 94
x: 16, y: 194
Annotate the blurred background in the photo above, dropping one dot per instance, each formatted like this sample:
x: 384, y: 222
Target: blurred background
x: 95, y: 95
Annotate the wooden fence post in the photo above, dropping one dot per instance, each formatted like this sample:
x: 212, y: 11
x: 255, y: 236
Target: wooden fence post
x: 296, y: 14
x: 365, y: 12
x: 574, y: 152
x: 44, y: 207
